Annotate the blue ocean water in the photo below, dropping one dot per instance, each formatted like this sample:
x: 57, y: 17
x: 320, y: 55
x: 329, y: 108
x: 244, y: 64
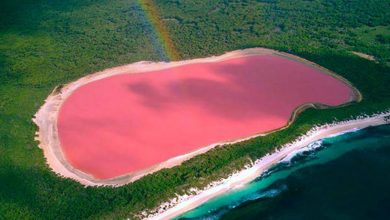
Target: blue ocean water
x: 341, y: 177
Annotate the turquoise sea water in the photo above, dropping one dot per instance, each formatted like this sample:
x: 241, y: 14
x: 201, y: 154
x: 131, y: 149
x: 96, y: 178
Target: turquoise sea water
x: 342, y: 177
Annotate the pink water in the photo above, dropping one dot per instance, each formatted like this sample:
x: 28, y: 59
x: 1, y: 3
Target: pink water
x: 127, y: 123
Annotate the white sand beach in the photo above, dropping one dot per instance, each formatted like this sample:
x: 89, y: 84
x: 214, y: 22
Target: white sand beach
x: 185, y: 203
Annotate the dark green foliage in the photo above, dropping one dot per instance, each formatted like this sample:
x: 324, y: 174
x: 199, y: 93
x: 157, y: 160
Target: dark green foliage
x: 215, y: 26
x: 47, y: 43
x: 382, y: 39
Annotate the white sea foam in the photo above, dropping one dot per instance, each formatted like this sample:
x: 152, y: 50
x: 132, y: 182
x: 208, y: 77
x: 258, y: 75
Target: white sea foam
x: 311, y: 147
x: 268, y: 193
x: 344, y: 132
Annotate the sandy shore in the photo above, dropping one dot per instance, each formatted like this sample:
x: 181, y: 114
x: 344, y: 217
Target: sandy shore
x: 365, y: 56
x: 46, y: 117
x: 185, y: 203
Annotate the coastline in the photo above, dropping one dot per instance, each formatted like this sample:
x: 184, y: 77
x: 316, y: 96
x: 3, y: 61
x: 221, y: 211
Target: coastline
x: 46, y: 117
x: 185, y: 203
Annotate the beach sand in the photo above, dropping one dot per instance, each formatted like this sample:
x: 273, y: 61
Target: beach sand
x: 247, y: 175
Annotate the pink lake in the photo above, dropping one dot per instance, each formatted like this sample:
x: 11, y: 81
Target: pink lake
x: 127, y: 123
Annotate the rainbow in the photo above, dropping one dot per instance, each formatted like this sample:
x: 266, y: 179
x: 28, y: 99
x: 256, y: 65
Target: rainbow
x: 160, y: 29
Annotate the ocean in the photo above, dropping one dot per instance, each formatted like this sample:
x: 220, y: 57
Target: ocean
x: 340, y: 177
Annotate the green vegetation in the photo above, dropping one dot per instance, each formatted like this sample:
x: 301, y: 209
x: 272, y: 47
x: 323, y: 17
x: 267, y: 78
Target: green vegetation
x: 46, y: 43
x: 373, y: 40
x: 215, y: 26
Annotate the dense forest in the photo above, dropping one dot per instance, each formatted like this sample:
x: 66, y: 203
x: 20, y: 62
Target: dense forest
x: 45, y: 43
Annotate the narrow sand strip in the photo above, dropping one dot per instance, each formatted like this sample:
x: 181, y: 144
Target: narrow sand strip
x: 365, y: 56
x: 188, y: 202
x: 46, y: 117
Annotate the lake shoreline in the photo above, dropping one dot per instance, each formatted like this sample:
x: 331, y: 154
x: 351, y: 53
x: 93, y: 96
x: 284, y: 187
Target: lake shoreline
x: 47, y: 116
